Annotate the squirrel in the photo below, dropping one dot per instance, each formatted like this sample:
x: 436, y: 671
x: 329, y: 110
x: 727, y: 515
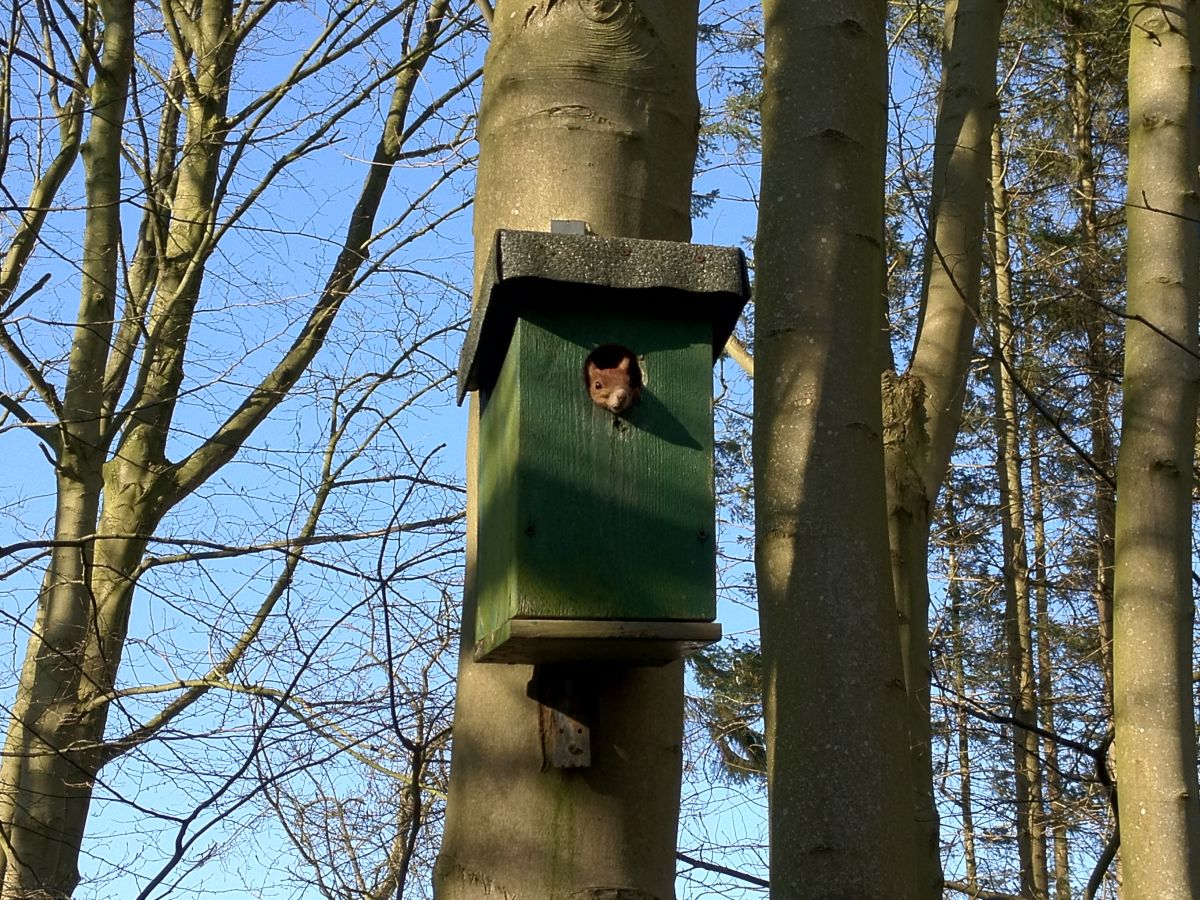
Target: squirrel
x: 613, y: 378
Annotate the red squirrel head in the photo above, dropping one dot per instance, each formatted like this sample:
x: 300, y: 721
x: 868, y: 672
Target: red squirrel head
x: 613, y: 377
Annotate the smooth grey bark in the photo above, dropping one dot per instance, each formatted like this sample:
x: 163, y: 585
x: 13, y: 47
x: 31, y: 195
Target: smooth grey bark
x: 1153, y: 615
x: 51, y: 747
x: 923, y: 408
x: 589, y: 113
x: 841, y: 820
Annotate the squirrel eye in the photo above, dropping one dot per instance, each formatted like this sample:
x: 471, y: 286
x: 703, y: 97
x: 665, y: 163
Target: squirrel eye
x: 598, y: 385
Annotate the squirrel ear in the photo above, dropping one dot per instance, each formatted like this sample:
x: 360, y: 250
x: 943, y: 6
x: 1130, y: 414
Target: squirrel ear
x: 623, y: 365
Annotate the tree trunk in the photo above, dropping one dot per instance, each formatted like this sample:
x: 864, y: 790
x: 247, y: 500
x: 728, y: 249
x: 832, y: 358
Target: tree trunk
x: 50, y: 751
x: 840, y: 813
x: 589, y: 113
x: 1153, y: 612
x: 917, y: 464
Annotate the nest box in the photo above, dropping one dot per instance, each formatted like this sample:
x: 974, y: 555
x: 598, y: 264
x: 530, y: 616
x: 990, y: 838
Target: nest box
x: 596, y: 509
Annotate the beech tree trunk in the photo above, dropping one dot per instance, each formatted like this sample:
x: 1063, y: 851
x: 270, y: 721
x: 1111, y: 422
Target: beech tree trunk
x: 837, y: 747
x: 923, y: 417
x: 589, y: 113
x: 1153, y: 613
x: 51, y: 749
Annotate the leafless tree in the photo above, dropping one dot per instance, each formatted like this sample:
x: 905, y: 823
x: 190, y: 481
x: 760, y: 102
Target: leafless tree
x: 229, y: 536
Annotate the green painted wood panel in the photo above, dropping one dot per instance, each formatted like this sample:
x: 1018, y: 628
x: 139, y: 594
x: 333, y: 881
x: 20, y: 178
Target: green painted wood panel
x: 499, y: 446
x: 584, y: 514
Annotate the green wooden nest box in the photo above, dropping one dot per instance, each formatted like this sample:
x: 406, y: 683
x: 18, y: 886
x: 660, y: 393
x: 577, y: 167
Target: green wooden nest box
x: 593, y: 358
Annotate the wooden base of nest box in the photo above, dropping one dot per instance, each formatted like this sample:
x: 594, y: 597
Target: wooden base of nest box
x: 648, y: 643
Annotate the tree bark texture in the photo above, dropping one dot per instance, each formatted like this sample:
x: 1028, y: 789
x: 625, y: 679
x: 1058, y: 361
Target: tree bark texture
x: 923, y: 422
x: 1153, y: 605
x: 841, y: 819
x: 589, y: 113
x: 50, y: 751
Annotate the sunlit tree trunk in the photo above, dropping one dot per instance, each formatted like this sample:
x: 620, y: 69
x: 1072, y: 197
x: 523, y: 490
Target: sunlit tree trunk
x: 1153, y: 610
x: 589, y: 113
x: 50, y: 753
x: 841, y: 818
x: 925, y: 415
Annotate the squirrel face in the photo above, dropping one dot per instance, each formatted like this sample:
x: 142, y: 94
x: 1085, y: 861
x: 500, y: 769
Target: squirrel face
x: 613, y: 378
